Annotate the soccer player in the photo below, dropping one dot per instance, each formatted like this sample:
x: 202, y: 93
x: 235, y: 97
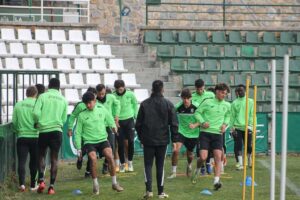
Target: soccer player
x: 155, y: 120
x: 237, y: 124
x: 189, y: 137
x: 213, y: 116
x: 128, y: 112
x: 23, y: 124
x: 50, y: 114
x: 199, y: 96
x: 110, y: 102
x: 80, y: 106
x: 91, y: 130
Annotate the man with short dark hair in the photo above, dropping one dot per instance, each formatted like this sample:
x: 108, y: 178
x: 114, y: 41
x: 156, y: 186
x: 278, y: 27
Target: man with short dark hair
x: 155, y: 120
x: 237, y: 124
x: 40, y: 88
x: 79, y: 107
x: 23, y: 125
x: 214, y: 117
x: 185, y: 110
x: 50, y: 113
x: 91, y: 130
x: 110, y: 102
x: 199, y: 96
x: 128, y: 112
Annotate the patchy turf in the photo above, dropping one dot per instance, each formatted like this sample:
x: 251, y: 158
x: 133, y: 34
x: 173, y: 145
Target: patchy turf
x: 70, y: 179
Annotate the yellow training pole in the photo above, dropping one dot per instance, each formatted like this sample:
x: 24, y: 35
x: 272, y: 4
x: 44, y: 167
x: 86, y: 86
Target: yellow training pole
x: 253, y: 143
x: 246, y: 139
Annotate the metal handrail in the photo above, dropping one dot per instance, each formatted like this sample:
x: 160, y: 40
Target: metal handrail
x: 42, y: 9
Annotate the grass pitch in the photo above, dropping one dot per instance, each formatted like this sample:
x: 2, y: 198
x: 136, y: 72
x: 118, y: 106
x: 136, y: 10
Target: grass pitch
x: 180, y: 188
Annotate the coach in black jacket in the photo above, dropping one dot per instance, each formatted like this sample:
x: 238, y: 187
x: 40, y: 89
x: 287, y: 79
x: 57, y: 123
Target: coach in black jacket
x: 155, y: 120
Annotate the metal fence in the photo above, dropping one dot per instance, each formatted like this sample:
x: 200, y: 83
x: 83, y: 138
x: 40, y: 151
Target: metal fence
x: 13, y: 84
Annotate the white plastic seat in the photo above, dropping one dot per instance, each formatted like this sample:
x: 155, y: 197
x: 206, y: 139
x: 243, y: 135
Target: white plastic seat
x: 75, y: 36
x: 16, y: 48
x: 116, y: 65
x: 29, y: 64
x: 99, y: 65
x: 109, y: 79
x: 46, y: 64
x: 76, y: 79
x: 87, y: 50
x: 7, y: 93
x: 3, y: 51
x: 63, y: 64
x: 12, y: 64
x: 93, y: 79
x: 104, y: 51
x: 42, y: 79
x: 141, y: 94
x: 41, y: 35
x: 69, y: 50
x: 51, y: 50
x: 92, y: 36
x: 63, y: 80
x: 21, y: 94
x: 24, y: 35
x: 81, y: 64
x: 8, y: 34
x: 71, y: 95
x: 130, y: 80
x: 34, y: 49
x: 58, y: 36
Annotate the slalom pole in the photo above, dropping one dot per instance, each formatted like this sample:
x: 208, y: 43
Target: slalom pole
x: 253, y: 143
x: 273, y: 134
x: 246, y: 139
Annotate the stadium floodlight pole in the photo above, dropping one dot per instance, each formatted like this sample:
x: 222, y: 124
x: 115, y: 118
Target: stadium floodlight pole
x: 273, y: 133
x: 246, y: 139
x: 254, y: 142
x: 284, y: 127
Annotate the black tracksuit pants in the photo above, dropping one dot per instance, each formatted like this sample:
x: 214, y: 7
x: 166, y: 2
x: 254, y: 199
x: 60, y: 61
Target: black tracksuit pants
x: 25, y: 146
x: 159, y: 153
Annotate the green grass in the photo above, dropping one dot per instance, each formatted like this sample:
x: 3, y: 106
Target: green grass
x: 69, y: 179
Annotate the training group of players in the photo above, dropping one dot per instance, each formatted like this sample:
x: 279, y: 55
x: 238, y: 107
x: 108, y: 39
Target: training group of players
x: 105, y: 125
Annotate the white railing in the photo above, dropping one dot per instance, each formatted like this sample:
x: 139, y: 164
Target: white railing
x: 80, y: 12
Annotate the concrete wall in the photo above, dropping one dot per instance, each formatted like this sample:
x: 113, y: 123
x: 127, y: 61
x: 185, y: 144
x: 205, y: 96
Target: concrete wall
x: 106, y: 14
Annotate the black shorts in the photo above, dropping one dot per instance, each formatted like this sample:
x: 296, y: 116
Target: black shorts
x: 211, y: 141
x: 98, y: 147
x: 189, y: 143
x: 51, y: 139
x: 126, y: 130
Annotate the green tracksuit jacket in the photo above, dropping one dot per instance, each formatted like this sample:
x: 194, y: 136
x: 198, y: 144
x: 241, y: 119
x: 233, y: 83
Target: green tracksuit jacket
x: 50, y: 111
x: 215, y: 112
x: 111, y: 104
x: 23, y: 122
x: 238, y: 109
x: 200, y: 98
x: 129, y: 105
x: 91, y: 126
x: 80, y: 106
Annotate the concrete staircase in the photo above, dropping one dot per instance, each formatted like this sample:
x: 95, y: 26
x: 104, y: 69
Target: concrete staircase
x: 138, y: 60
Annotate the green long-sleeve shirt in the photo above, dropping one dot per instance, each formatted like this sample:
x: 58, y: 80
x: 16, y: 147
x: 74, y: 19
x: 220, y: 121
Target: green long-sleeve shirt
x: 80, y: 106
x: 200, y: 98
x: 50, y: 111
x: 185, y: 118
x: 91, y: 126
x: 23, y: 122
x: 111, y: 104
x: 215, y: 112
x: 238, y: 109
x: 128, y: 104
